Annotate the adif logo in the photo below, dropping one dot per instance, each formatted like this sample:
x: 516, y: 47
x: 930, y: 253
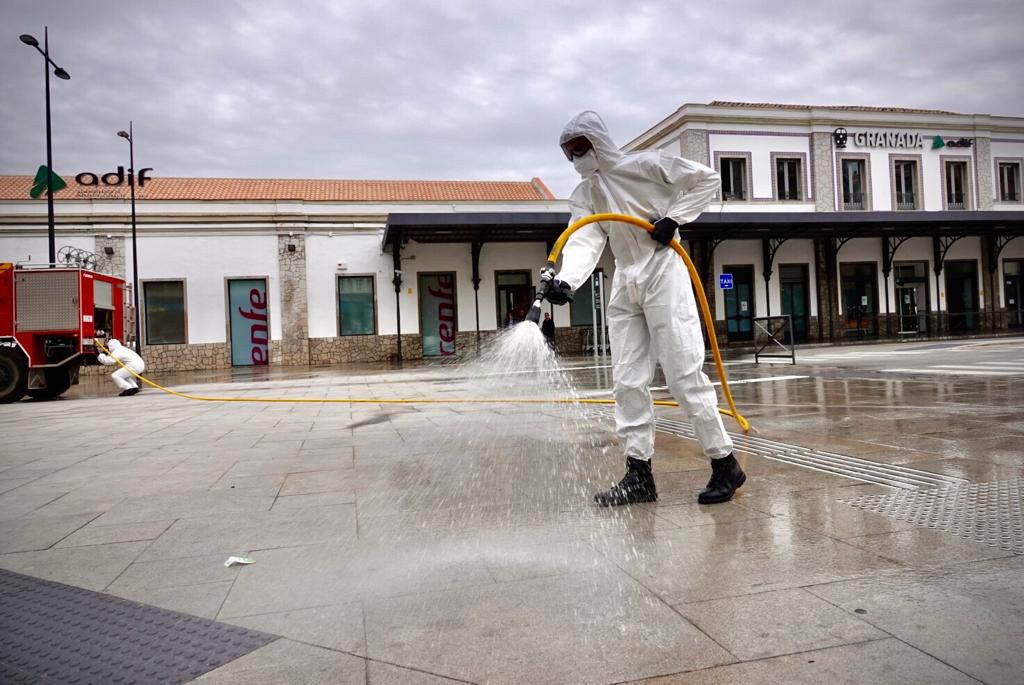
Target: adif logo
x: 839, y: 136
x: 39, y: 184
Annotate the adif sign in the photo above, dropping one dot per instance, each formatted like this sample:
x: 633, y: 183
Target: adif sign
x: 888, y: 139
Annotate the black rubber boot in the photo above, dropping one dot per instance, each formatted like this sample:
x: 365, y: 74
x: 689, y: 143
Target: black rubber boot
x: 636, y: 486
x: 125, y: 393
x: 726, y: 477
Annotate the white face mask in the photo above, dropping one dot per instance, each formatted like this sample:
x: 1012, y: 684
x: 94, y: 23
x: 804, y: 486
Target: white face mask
x: 587, y: 164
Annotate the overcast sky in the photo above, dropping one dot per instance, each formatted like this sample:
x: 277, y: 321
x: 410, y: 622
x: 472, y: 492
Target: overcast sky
x: 453, y: 89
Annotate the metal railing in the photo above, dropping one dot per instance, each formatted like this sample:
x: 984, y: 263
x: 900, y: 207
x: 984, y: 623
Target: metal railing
x: 853, y: 200
x: 906, y: 201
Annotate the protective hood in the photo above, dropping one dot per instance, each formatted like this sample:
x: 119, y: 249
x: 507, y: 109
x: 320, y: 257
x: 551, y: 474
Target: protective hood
x: 591, y: 125
x: 113, y: 344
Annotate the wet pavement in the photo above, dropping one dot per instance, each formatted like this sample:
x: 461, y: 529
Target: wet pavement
x: 875, y: 541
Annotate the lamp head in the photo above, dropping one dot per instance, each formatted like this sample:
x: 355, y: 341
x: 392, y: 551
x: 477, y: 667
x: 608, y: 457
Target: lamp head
x: 60, y: 73
x: 124, y: 134
x: 29, y: 40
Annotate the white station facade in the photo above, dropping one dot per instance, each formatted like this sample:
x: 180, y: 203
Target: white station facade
x: 854, y: 222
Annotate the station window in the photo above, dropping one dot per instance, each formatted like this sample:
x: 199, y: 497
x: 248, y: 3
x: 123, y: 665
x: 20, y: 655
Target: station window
x: 1009, y: 182
x: 788, y: 183
x: 356, y: 305
x: 956, y: 185
x: 734, y: 179
x: 584, y: 302
x: 854, y: 184
x: 164, y: 305
x: 905, y: 183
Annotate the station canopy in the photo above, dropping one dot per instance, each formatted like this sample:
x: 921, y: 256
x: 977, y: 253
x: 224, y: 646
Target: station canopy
x: 469, y: 227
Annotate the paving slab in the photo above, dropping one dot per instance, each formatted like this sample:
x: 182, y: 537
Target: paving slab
x: 879, y: 662
x: 337, y: 626
x: 35, y: 533
x: 775, y: 623
x: 932, y: 610
x: 285, y: 661
x: 483, y: 634
x: 237, y: 534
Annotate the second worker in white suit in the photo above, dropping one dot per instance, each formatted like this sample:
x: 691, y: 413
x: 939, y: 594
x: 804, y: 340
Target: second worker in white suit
x: 123, y: 378
x: 652, y: 311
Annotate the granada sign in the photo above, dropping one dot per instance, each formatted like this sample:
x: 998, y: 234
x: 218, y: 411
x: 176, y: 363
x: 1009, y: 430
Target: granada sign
x: 888, y: 139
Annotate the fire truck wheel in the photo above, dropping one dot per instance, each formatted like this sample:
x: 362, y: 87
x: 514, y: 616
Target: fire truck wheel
x: 57, y: 383
x: 13, y: 375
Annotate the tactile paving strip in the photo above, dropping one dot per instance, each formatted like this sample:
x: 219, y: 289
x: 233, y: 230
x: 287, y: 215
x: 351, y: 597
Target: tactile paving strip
x: 863, y: 470
x: 56, y: 633
x: 984, y: 512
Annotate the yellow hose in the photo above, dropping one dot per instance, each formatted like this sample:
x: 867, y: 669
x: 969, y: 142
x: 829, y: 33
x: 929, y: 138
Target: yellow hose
x: 553, y: 257
x: 342, y: 400
x: 698, y: 288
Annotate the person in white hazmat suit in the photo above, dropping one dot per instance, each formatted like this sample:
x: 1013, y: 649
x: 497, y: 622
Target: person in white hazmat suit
x: 652, y: 310
x: 123, y: 378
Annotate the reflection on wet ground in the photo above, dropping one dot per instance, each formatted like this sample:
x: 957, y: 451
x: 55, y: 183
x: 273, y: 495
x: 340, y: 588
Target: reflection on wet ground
x: 429, y: 542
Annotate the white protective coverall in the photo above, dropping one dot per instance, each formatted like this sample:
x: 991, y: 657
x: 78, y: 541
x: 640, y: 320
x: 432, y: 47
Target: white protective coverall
x: 652, y: 301
x: 123, y: 379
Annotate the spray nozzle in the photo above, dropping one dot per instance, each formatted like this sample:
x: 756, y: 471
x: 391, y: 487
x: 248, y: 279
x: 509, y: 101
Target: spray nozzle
x: 547, y: 277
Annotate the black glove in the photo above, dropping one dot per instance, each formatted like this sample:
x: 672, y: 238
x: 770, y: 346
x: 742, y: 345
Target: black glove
x: 552, y: 289
x: 664, y: 230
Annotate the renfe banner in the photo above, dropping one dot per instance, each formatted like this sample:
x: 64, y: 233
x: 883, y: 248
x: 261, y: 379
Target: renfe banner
x: 250, y: 330
x: 437, y: 314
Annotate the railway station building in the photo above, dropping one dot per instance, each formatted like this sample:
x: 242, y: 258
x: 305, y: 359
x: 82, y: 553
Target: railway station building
x: 855, y: 222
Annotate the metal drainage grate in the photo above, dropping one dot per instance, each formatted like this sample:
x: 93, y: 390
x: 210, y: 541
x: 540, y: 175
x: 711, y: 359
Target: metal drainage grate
x: 990, y: 513
x: 864, y: 470
x: 56, y: 633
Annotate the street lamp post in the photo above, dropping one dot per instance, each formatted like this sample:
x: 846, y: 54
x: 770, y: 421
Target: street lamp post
x: 127, y: 135
x: 59, y: 73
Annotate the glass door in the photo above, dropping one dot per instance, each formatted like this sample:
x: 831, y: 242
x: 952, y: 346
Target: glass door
x: 796, y: 298
x: 1013, y: 290
x: 438, y: 325
x: 249, y: 314
x: 859, y: 282
x: 962, y: 295
x: 739, y: 303
x: 911, y: 280
x: 515, y: 296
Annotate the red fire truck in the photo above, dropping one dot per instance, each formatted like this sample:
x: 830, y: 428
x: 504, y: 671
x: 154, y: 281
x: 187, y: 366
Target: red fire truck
x: 49, y: 318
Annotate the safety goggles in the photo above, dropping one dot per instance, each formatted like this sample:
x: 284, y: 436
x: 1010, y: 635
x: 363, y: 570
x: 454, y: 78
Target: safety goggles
x: 576, y: 147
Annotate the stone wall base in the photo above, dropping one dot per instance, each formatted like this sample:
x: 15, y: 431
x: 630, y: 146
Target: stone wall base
x: 187, y: 357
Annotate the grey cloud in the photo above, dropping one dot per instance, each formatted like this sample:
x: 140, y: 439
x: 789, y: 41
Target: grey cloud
x: 462, y: 90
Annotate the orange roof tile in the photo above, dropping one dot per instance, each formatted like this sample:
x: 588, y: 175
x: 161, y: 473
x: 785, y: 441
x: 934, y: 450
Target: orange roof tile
x: 310, y: 190
x: 851, y: 108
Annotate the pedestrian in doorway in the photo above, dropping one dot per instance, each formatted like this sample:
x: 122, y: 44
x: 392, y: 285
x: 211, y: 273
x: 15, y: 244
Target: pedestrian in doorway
x: 123, y: 378
x: 652, y: 312
x: 548, y: 329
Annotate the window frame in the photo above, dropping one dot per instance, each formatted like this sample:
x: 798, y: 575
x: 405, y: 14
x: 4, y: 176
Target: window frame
x: 144, y: 323
x: 918, y: 162
x: 337, y: 302
x: 1014, y: 161
x: 748, y: 180
x: 967, y: 160
x: 865, y: 158
x: 801, y: 159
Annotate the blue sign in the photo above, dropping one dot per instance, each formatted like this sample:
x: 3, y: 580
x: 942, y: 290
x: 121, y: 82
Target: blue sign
x: 725, y: 281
